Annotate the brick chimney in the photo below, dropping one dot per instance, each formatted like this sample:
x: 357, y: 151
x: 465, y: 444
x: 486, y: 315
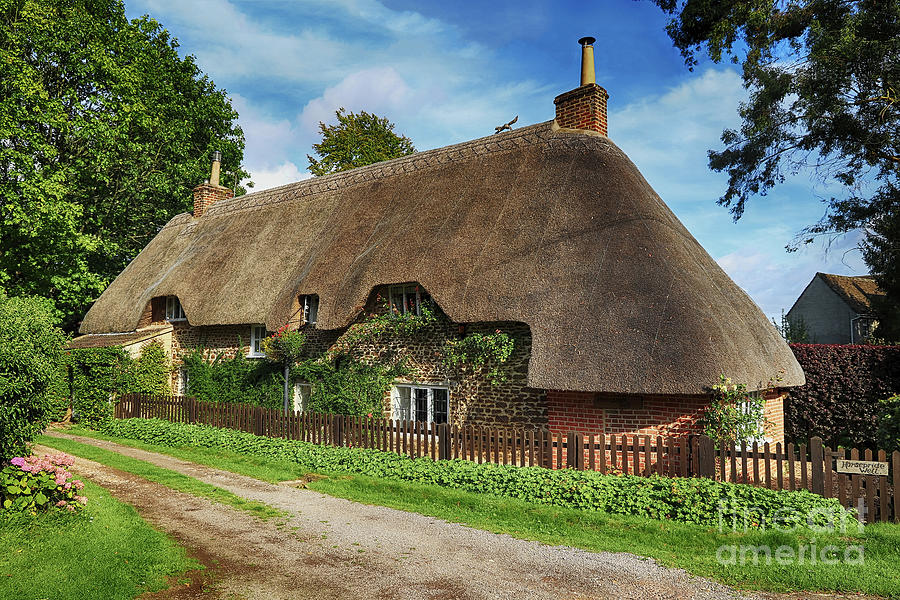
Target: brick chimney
x: 585, y: 106
x: 210, y: 191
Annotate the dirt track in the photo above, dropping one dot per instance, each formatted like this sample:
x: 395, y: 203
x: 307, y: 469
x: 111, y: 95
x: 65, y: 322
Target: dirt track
x: 334, y: 548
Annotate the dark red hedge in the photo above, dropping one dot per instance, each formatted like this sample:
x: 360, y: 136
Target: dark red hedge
x: 843, y: 386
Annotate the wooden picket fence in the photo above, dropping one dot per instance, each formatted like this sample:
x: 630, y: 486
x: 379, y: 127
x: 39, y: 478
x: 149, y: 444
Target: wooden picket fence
x: 775, y: 466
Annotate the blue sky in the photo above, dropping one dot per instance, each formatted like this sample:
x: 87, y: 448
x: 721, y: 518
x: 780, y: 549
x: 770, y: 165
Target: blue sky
x: 446, y: 72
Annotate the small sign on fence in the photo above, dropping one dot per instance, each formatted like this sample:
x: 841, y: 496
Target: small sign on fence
x: 862, y: 467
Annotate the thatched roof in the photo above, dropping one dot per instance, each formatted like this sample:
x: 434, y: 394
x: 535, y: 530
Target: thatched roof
x: 857, y: 291
x: 555, y: 228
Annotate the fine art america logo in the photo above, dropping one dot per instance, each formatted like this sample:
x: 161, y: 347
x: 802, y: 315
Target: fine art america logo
x: 819, y: 521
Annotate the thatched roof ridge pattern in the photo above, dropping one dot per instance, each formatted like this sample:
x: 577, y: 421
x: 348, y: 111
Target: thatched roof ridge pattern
x: 419, y: 162
x: 553, y: 228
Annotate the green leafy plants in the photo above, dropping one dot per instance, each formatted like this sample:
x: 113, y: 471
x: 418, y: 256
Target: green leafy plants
x: 97, y: 375
x: 358, y: 139
x: 104, y: 550
x: 732, y: 413
x: 480, y: 354
x: 699, y: 501
x: 344, y: 385
x: 384, y: 323
x: 30, y: 357
x: 284, y: 346
x: 889, y: 424
x: 31, y: 484
x: 234, y: 379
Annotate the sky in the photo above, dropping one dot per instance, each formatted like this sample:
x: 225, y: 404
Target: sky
x: 447, y: 72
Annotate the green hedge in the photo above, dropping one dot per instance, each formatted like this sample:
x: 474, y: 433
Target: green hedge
x: 688, y: 500
x: 98, y: 374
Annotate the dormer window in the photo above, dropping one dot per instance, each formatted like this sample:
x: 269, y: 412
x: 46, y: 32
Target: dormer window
x: 408, y: 299
x: 174, y: 312
x: 257, y: 335
x: 310, y: 306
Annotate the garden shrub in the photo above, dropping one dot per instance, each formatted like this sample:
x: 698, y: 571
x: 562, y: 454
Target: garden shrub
x: 30, y: 357
x: 889, y: 424
x: 840, y: 401
x: 31, y: 484
x: 99, y: 374
x: 234, y: 380
x: 733, y: 414
x: 346, y: 386
x: 687, y: 500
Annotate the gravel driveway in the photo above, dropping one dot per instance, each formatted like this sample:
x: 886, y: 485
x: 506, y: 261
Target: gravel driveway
x: 334, y: 548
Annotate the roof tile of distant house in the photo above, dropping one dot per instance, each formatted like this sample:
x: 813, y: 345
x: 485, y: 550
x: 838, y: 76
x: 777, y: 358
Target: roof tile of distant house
x: 856, y: 291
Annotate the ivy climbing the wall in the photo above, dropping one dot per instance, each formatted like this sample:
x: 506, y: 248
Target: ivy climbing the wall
x: 234, y: 379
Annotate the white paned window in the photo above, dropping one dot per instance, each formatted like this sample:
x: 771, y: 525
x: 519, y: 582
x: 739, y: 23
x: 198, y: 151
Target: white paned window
x: 173, y: 309
x: 406, y: 299
x: 748, y: 407
x: 421, y: 403
x: 257, y: 335
x: 310, y: 306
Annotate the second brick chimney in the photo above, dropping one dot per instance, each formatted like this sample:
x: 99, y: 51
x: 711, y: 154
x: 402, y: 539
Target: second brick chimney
x: 210, y: 191
x: 585, y: 106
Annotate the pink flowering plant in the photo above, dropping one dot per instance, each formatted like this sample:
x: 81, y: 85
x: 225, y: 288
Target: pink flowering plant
x: 40, y: 483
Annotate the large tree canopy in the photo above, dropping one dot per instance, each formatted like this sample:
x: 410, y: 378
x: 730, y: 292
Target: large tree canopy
x: 104, y: 131
x: 355, y: 141
x: 824, y: 83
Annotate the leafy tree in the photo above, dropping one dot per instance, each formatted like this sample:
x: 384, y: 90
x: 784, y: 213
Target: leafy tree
x: 794, y: 331
x: 30, y: 357
x: 823, y: 81
x: 355, y: 141
x: 104, y: 131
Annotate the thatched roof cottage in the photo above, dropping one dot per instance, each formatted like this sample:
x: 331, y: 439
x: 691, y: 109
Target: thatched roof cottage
x: 623, y: 319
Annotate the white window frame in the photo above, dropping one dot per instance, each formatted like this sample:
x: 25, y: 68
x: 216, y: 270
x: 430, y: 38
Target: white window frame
x: 174, y: 311
x: 400, y: 296
x: 257, y: 334
x: 309, y: 304
x: 745, y: 407
x: 401, y: 413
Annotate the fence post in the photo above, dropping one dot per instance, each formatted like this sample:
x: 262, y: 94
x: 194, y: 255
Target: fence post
x: 706, y: 450
x: 136, y: 406
x: 817, y: 458
x: 575, y: 451
x: 258, y: 421
x: 443, y: 441
x: 338, y: 434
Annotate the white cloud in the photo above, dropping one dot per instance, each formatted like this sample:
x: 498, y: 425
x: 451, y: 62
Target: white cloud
x: 667, y: 136
x: 774, y: 279
x: 286, y: 172
x: 380, y: 90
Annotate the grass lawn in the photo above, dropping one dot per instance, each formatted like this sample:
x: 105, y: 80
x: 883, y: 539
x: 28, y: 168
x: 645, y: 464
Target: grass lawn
x: 107, y: 551
x: 166, y: 477
x: 692, y: 548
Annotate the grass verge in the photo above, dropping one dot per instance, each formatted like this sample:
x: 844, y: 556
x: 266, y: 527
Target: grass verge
x: 166, y: 477
x: 693, y: 548
x: 105, y: 551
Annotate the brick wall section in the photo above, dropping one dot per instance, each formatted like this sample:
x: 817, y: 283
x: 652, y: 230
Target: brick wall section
x: 206, y: 193
x: 589, y: 413
x: 583, y: 108
x: 773, y: 411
